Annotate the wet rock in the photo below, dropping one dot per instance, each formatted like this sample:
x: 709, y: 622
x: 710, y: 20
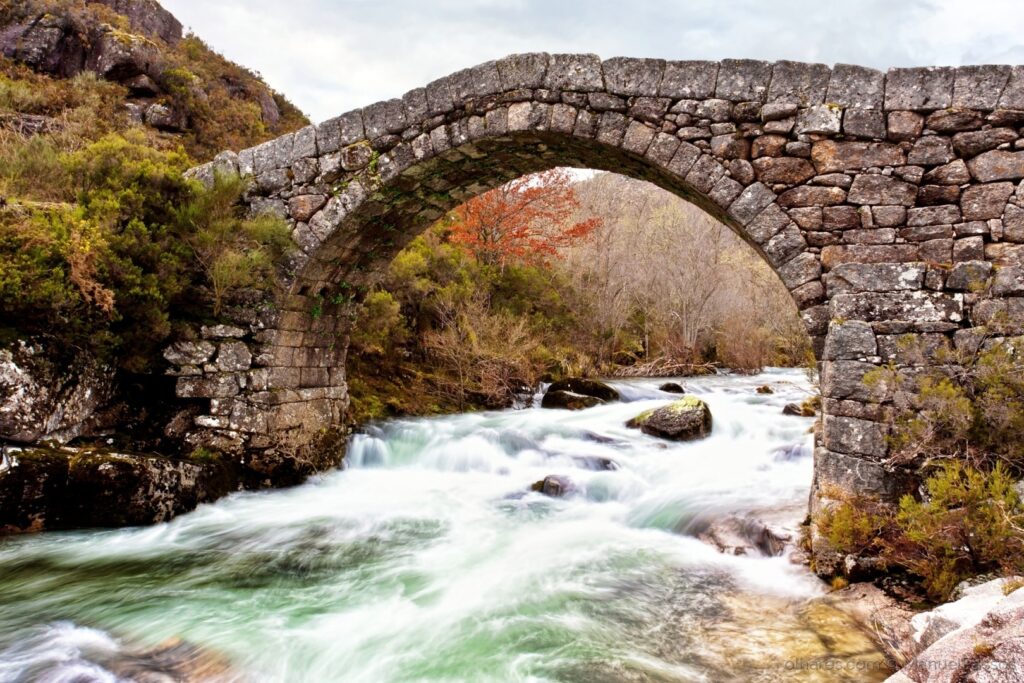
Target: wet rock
x: 597, y: 438
x: 586, y: 387
x: 887, y: 619
x: 172, y: 660
x: 42, y: 489
x: 798, y: 410
x: 687, y: 419
x: 595, y: 463
x: 672, y: 388
x: 765, y: 389
x: 515, y: 442
x: 791, y: 453
x: 745, y: 536
x: 554, y: 485
x: 569, y: 400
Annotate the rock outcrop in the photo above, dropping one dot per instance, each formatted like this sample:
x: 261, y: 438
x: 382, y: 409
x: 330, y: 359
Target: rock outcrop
x: 137, y: 43
x: 687, y: 419
x: 43, y: 398
x: 51, y: 489
x: 976, y: 639
x: 148, y: 18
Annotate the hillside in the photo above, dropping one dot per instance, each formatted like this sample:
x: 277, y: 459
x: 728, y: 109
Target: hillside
x: 78, y: 70
x: 104, y: 245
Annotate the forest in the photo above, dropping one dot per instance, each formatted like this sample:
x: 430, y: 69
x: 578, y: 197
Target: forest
x: 564, y: 273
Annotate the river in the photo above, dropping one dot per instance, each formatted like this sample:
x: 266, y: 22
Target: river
x: 428, y: 559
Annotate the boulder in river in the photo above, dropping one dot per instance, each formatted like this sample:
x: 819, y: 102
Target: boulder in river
x: 569, y: 400
x: 765, y: 389
x: 585, y: 387
x: 686, y: 419
x: 802, y: 410
x: 595, y: 463
x: 745, y: 536
x: 554, y: 485
x: 672, y: 388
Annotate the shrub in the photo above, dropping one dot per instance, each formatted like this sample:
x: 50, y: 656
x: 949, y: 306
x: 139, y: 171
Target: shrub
x: 968, y: 522
x: 231, y: 252
x: 111, y: 272
x: 968, y: 406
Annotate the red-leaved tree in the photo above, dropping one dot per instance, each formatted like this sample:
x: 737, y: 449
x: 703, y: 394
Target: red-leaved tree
x: 525, y: 221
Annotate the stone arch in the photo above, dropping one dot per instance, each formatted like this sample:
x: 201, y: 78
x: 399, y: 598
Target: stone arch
x: 876, y: 197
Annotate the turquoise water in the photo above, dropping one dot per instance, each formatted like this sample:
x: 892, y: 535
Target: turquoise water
x: 428, y: 559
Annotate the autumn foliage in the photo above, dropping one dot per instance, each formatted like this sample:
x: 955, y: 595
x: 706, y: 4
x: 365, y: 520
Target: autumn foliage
x: 525, y: 221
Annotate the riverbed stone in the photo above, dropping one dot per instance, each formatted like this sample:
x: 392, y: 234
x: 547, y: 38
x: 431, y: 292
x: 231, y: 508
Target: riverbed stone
x: 686, y: 419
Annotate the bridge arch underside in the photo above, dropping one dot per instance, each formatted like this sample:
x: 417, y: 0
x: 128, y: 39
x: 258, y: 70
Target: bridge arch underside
x: 886, y: 203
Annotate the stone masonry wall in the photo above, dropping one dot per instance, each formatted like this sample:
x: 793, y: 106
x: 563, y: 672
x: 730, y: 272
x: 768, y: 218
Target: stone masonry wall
x: 888, y: 203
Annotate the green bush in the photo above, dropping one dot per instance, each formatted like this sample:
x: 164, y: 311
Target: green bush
x: 111, y: 272
x: 965, y: 405
x: 230, y: 251
x: 968, y: 522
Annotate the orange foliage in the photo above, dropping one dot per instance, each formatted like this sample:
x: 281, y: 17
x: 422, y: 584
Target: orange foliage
x: 526, y: 220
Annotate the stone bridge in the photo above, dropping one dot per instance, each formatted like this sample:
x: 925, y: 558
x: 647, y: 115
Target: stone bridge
x: 887, y: 203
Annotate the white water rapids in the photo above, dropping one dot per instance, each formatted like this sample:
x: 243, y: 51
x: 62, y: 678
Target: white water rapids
x: 428, y: 559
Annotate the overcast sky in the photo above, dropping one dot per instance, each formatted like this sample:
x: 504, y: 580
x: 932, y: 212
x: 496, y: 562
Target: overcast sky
x: 329, y: 56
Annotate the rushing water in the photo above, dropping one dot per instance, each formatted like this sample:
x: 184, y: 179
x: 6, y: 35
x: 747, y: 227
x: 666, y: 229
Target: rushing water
x: 427, y: 559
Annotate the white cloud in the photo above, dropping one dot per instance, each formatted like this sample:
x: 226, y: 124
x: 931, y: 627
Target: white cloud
x: 330, y: 56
